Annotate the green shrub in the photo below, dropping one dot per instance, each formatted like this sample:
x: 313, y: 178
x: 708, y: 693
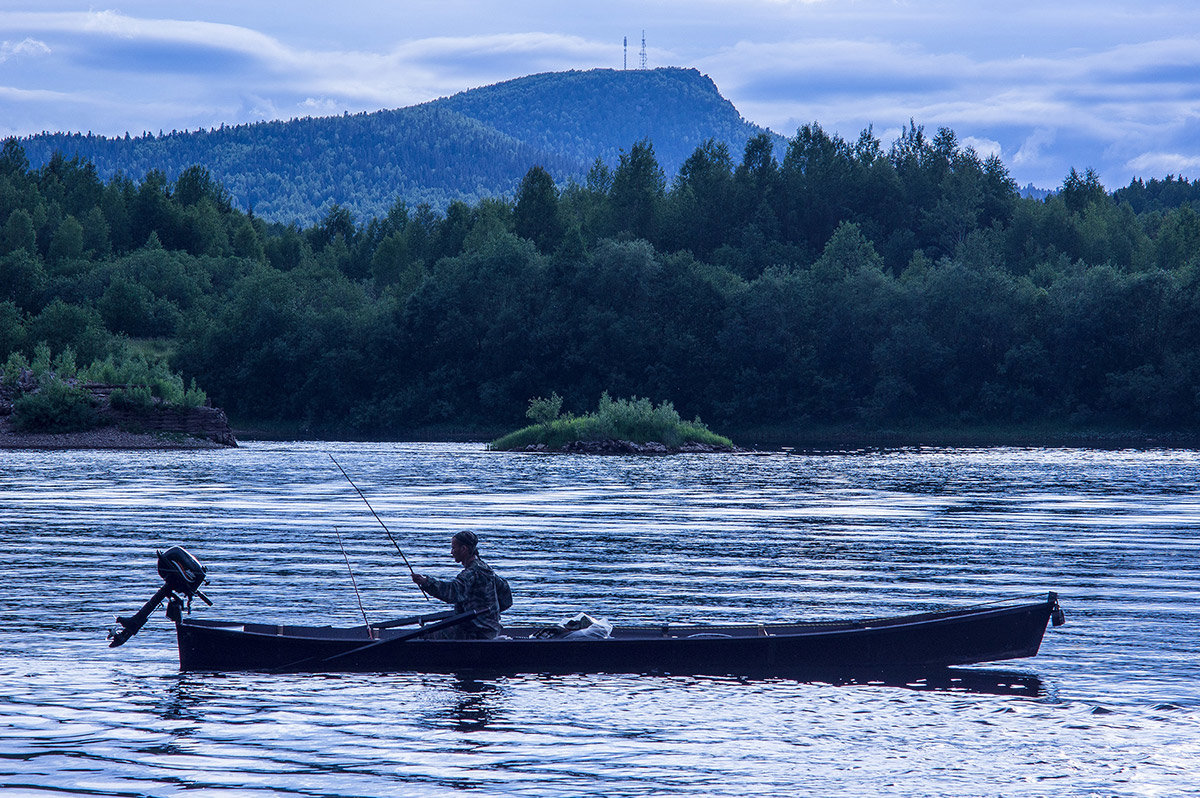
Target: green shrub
x: 131, y: 368
x: 14, y: 367
x: 64, y: 365
x: 41, y: 360
x: 132, y: 397
x: 637, y: 420
x: 55, y: 407
x: 194, y: 397
x: 543, y: 411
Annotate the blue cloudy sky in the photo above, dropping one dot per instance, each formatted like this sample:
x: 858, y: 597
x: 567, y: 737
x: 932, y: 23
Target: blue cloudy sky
x: 1107, y: 84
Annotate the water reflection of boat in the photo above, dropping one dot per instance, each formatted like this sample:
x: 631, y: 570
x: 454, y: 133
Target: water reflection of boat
x: 908, y: 644
x: 986, y: 681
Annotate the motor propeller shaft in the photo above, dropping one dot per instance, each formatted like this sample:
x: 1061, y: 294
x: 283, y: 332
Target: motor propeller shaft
x: 182, y: 574
x: 129, y: 626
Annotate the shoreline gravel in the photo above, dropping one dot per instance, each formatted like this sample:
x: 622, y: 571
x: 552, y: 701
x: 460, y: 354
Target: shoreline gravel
x: 99, y: 438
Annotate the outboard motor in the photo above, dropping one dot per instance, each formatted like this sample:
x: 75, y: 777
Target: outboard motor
x: 182, y: 577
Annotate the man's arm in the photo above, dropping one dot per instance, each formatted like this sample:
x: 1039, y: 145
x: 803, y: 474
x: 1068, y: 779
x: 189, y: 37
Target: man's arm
x: 451, y: 591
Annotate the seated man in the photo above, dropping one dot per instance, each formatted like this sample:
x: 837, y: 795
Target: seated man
x: 473, y: 589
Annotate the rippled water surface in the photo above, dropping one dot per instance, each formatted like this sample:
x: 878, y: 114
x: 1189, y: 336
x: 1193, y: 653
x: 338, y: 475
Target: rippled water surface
x: 1111, y: 706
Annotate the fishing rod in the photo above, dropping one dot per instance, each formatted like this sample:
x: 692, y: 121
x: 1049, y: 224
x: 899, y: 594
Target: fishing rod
x: 377, y: 518
x: 342, y: 546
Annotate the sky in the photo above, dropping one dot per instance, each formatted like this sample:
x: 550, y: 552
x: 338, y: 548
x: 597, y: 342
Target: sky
x: 1110, y: 85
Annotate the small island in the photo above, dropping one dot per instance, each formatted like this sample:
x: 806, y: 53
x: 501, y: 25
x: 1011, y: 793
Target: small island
x: 618, y: 426
x: 125, y: 402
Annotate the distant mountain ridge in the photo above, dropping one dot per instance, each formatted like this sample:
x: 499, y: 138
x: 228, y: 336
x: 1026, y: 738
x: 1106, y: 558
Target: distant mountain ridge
x: 677, y: 109
x: 475, y: 144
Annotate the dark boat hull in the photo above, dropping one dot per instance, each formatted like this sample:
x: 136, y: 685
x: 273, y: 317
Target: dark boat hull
x: 908, y: 643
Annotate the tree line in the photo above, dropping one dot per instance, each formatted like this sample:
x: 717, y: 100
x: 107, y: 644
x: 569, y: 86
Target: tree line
x: 848, y: 283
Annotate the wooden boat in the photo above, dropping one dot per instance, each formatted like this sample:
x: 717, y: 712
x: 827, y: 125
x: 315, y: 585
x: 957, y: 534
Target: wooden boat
x: 908, y: 643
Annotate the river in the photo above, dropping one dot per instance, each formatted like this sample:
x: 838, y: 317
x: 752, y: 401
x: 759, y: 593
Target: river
x: 1110, y: 707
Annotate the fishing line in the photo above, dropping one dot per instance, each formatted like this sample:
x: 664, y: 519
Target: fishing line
x: 357, y: 595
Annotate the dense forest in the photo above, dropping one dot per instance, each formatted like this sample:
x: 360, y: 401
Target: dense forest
x: 848, y: 283
x: 471, y: 146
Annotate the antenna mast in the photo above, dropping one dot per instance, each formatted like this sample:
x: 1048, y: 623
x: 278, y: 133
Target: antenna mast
x: 643, y: 49
x: 625, y: 58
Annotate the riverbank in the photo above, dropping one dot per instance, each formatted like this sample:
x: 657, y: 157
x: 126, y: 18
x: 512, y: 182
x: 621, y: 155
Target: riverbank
x: 110, y: 437
x: 850, y: 438
x: 761, y: 437
x: 775, y: 437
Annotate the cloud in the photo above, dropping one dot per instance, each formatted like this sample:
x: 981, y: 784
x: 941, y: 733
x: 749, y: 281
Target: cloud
x: 1164, y: 163
x: 845, y: 77
x: 408, y: 72
x: 29, y: 47
x: 158, y: 57
x: 1033, y: 147
x: 441, y: 65
x: 112, y: 24
x: 322, y: 106
x: 984, y: 148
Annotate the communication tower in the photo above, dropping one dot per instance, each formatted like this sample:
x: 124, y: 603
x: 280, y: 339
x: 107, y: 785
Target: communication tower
x: 643, y: 49
x: 625, y: 58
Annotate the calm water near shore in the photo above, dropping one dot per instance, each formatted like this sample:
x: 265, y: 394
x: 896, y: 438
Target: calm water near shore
x: 1111, y: 707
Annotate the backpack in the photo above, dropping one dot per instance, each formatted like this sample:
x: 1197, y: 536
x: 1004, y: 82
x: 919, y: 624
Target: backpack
x: 503, y: 592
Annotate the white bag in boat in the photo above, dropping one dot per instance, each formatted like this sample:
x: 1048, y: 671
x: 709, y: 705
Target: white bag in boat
x: 584, y: 626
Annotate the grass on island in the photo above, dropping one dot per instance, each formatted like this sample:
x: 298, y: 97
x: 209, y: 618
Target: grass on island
x: 637, y: 420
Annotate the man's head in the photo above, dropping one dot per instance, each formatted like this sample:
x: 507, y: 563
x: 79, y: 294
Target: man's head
x: 463, y: 546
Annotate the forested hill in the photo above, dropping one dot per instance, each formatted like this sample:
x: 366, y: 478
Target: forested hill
x: 598, y: 113
x: 469, y: 146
